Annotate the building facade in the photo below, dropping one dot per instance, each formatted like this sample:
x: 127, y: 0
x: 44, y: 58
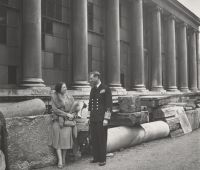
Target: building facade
x: 136, y: 44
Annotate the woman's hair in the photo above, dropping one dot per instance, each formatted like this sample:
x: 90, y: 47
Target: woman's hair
x: 58, y: 87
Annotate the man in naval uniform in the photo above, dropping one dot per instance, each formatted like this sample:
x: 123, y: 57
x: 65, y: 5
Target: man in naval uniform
x: 99, y: 111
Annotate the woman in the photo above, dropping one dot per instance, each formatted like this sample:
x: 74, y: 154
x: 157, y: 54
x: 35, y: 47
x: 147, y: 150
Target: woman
x: 61, y: 137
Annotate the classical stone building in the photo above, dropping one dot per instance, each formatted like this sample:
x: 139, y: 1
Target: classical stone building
x: 136, y: 44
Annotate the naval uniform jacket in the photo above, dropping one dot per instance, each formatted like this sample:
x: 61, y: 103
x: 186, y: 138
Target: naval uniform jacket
x: 100, y: 103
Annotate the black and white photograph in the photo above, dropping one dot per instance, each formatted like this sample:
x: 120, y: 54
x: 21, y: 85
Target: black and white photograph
x: 100, y: 84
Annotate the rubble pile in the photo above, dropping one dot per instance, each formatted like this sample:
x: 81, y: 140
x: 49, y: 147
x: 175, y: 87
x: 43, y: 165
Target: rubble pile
x: 129, y: 112
x: 181, y: 113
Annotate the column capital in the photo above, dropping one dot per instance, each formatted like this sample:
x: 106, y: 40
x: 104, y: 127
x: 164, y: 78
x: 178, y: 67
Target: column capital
x: 157, y: 8
x: 171, y: 17
x: 196, y: 31
x: 183, y: 24
x: 190, y: 29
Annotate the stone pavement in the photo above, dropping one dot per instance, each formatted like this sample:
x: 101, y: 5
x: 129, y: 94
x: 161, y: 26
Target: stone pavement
x: 182, y: 153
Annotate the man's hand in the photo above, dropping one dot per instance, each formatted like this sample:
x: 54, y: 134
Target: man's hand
x: 105, y: 122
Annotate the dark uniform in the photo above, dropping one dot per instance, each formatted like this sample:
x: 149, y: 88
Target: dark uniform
x: 100, y: 107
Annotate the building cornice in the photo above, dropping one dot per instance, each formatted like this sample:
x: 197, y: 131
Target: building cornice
x: 177, y: 9
x: 185, y: 10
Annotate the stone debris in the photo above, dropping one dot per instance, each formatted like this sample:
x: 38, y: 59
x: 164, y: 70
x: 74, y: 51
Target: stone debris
x: 129, y: 119
x: 194, y: 118
x: 129, y: 104
x: 154, y: 101
x: 185, y: 124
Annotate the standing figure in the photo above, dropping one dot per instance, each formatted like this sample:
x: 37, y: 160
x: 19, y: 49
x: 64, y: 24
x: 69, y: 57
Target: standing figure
x: 99, y: 111
x: 62, y: 135
x: 3, y: 143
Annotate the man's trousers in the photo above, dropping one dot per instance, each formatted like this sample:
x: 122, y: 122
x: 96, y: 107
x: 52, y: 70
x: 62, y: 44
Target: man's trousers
x: 98, y: 140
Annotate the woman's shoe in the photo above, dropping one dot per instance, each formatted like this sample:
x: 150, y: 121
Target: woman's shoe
x: 60, y: 166
x: 102, y: 163
x: 63, y: 163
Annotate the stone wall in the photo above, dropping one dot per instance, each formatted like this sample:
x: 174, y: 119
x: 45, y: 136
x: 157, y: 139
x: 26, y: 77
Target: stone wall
x: 27, y: 142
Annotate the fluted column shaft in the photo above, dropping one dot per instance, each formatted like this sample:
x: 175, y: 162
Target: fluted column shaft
x: 80, y: 44
x: 192, y: 62
x: 112, y: 43
x: 156, y: 53
x: 31, y: 43
x: 183, y: 61
x: 198, y: 60
x: 137, y: 45
x: 171, y: 55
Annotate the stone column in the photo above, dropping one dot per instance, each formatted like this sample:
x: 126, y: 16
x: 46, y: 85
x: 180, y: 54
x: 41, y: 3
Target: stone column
x: 112, y: 44
x: 171, y: 54
x: 192, y: 62
x: 183, y: 61
x: 137, y: 45
x: 198, y: 60
x: 157, y: 52
x: 80, y: 44
x: 31, y: 44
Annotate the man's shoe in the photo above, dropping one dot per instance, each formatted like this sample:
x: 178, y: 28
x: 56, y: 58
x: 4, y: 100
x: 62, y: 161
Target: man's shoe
x: 94, y: 161
x: 102, y: 163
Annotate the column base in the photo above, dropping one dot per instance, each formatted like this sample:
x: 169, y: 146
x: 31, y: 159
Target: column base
x: 81, y: 85
x: 184, y: 89
x: 32, y: 82
x: 117, y: 89
x: 193, y: 89
x: 172, y: 89
x: 158, y: 89
x: 139, y: 88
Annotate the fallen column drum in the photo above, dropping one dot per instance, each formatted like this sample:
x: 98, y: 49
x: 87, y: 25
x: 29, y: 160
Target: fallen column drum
x: 25, y: 108
x: 123, y: 137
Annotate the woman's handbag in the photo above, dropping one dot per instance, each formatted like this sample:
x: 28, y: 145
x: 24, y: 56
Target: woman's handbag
x: 72, y: 124
x: 64, y: 122
x: 69, y: 123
